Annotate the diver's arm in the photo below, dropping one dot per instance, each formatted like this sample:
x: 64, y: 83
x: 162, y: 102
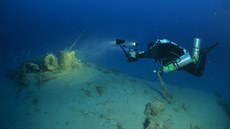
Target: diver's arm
x: 133, y: 54
x: 147, y: 54
x: 129, y: 53
x: 125, y: 50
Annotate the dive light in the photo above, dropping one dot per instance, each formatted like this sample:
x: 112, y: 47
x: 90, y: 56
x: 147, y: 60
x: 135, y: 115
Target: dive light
x: 120, y: 41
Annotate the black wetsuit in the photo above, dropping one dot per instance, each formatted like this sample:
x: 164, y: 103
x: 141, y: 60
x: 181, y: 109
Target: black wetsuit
x: 166, y: 53
x: 198, y: 68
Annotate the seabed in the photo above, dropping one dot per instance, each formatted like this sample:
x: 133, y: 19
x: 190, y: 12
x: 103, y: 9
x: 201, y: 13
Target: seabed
x: 75, y: 95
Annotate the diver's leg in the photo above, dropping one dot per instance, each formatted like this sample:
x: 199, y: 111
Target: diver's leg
x: 192, y: 69
x: 197, y: 69
x: 200, y: 65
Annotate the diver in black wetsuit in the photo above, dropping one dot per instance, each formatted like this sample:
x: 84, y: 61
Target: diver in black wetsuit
x: 171, y: 56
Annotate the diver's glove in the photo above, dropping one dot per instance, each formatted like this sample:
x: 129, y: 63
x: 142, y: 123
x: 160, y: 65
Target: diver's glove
x: 132, y: 56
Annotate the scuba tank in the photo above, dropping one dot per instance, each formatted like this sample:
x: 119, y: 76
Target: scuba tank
x: 178, y: 63
x: 185, y: 59
x: 196, y: 49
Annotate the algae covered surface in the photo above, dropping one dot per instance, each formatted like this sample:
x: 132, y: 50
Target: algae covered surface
x: 93, y: 97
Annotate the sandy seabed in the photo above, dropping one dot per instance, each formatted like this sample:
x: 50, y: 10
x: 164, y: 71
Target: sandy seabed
x: 98, y: 98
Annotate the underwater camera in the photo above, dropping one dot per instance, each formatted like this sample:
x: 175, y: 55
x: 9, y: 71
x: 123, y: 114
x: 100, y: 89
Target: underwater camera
x: 120, y: 41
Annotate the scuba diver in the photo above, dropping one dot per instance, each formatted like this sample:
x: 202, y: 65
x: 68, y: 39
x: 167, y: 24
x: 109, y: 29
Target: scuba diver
x: 171, y: 56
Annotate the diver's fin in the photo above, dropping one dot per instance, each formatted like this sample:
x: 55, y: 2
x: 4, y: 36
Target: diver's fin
x: 208, y: 49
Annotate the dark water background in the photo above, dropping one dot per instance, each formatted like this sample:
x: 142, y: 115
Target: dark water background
x: 33, y: 28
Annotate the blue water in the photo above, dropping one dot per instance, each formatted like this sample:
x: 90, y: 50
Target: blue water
x: 33, y: 28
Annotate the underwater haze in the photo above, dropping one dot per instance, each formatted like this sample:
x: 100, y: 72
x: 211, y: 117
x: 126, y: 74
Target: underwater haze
x: 60, y: 66
x: 33, y: 28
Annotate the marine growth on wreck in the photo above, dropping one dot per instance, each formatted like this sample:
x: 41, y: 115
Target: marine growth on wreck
x: 45, y: 69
